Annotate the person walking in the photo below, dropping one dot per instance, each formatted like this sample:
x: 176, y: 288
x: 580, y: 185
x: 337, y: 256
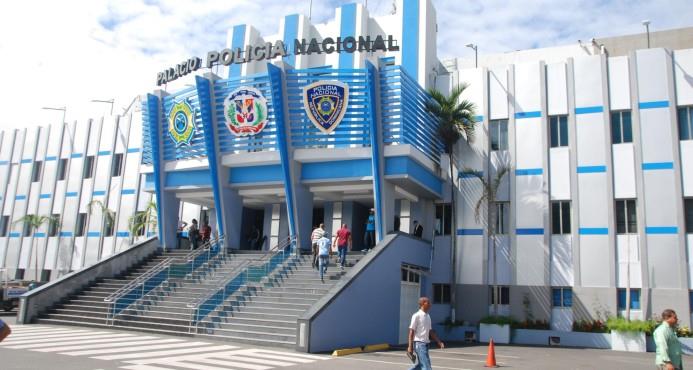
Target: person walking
x: 343, y: 241
x: 369, y: 236
x: 194, y: 234
x: 420, y: 335
x: 318, y: 233
x: 324, y: 252
x: 668, y: 353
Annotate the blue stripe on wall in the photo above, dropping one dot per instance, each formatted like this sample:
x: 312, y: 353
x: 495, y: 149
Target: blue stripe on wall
x: 71, y: 194
x: 529, y: 231
x: 290, y: 34
x: 533, y: 114
x: 591, y: 169
x: 98, y: 193
x: 51, y: 158
x: 76, y: 155
x: 45, y: 196
x: 658, y: 166
x: 589, y: 110
x: 653, y: 104
x: 123, y: 234
x: 410, y: 38
x: 4, y: 163
x: 133, y: 150
x: 237, y: 42
x: 479, y: 118
x: 40, y: 235
x: 470, y: 175
x: 347, y: 28
x: 93, y: 234
x: 336, y: 170
x: 127, y: 192
x: 104, y: 152
x: 246, y: 175
x: 26, y: 160
x: 14, y: 235
x: 593, y: 231
x: 661, y: 230
x: 470, y: 232
x: 417, y: 172
x: 20, y: 197
x: 528, y: 171
x: 188, y: 178
x: 66, y: 233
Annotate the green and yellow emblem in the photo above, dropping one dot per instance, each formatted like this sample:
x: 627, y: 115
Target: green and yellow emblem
x: 181, y: 123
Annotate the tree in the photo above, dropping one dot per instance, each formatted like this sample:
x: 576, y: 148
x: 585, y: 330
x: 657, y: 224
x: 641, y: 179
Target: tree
x: 489, y: 198
x: 108, y: 214
x: 455, y: 121
x: 35, y: 222
x: 142, y: 220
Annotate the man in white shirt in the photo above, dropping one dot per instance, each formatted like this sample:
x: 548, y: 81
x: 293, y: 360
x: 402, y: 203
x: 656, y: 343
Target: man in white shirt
x: 318, y: 232
x: 324, y: 252
x: 420, y: 331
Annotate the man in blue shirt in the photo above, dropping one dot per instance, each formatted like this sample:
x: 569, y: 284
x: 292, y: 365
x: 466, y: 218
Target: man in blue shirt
x: 369, y: 237
x: 324, y: 252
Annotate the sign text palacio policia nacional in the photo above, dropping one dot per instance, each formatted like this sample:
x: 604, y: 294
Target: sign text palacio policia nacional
x: 268, y: 50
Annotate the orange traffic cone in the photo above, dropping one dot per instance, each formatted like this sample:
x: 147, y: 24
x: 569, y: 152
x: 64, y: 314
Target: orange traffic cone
x: 491, y: 357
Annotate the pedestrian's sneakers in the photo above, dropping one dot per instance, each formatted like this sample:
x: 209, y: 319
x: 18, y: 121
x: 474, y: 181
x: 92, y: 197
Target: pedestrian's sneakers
x: 341, y: 268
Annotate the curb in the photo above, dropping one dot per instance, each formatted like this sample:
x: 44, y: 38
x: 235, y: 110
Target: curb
x: 346, y: 351
x: 376, y: 347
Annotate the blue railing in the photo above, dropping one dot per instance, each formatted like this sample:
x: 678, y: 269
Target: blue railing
x: 228, y: 142
x: 404, y: 116
x: 197, y: 148
x: 249, y: 271
x: 354, y: 129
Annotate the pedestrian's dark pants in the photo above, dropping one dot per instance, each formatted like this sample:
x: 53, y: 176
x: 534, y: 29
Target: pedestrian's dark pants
x: 369, y: 239
x: 315, y: 255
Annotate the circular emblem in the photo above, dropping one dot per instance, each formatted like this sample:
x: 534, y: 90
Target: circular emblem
x: 245, y: 111
x: 181, y: 123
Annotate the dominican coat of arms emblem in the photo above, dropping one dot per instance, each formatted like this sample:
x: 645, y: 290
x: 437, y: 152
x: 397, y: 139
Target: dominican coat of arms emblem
x: 245, y: 110
x: 325, y: 103
x: 181, y: 123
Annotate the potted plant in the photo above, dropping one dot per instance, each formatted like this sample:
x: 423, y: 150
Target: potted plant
x: 629, y: 335
x: 496, y: 328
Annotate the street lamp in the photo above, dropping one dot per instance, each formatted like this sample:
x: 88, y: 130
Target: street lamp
x: 476, y: 58
x: 105, y: 101
x: 64, y: 109
x: 646, y: 23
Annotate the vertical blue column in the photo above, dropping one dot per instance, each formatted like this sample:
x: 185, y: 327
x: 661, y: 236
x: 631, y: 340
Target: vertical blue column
x: 410, y: 38
x: 290, y: 34
x: 205, y: 97
x: 237, y: 41
x: 347, y: 28
x: 375, y: 151
x: 277, y: 86
x: 152, y: 121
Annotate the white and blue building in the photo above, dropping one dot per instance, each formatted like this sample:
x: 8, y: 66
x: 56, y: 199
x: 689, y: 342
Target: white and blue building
x: 599, y: 196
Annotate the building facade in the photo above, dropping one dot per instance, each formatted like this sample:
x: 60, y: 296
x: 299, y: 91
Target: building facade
x: 598, y: 197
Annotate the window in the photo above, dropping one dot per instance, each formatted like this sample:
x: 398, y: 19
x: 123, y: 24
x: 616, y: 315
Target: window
x: 634, y: 299
x: 626, y: 219
x: 62, y: 169
x: 81, y: 224
x: 503, y: 292
x: 559, y: 131
x: 499, y: 134
x: 36, y: 171
x: 686, y: 123
x: 88, y: 170
x: 116, y: 165
x: 560, y: 217
x: 109, y: 225
x: 621, y: 130
x: 688, y: 211
x: 443, y: 216
x: 562, y: 297
x: 26, y: 231
x: 502, y: 217
x: 54, y: 226
x: 441, y: 293
x: 4, y: 226
x: 410, y: 274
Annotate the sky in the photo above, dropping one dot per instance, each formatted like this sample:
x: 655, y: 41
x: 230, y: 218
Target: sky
x: 59, y: 54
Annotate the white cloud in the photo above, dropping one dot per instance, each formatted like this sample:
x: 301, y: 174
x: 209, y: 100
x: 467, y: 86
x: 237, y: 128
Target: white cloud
x: 67, y: 53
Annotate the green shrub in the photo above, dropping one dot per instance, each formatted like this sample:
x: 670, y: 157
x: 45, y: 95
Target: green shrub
x: 532, y: 324
x: 684, y: 332
x: 590, y: 326
x: 498, y: 320
x: 621, y: 324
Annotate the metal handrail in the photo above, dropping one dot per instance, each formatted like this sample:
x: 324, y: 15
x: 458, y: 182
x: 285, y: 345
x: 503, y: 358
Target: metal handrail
x: 240, y: 272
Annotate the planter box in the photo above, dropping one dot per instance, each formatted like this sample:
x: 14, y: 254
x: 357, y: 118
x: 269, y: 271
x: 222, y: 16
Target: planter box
x: 455, y: 333
x: 686, y: 345
x: 628, y: 341
x: 500, y: 334
x: 567, y: 338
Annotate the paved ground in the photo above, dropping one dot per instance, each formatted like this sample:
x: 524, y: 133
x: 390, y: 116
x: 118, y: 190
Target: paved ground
x: 62, y: 347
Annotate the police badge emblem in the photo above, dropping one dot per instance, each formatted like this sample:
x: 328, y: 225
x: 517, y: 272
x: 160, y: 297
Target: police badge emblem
x: 325, y: 103
x: 181, y: 123
x: 245, y: 111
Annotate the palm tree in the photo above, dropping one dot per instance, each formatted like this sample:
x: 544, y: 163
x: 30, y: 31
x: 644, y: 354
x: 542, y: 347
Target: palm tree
x: 35, y: 222
x: 142, y: 220
x: 108, y: 214
x: 489, y: 198
x: 455, y: 121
